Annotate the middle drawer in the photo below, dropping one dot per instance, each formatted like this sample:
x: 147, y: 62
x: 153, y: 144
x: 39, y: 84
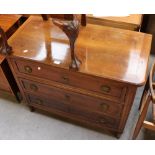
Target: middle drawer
x: 70, y: 97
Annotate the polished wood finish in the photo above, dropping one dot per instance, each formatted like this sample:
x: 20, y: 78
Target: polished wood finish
x: 11, y: 20
x: 73, y: 112
x: 135, y: 22
x: 8, y: 24
x: 67, y: 96
x: 103, y: 87
x: 130, y: 22
x: 133, y: 53
x: 148, y: 97
x: 101, y: 93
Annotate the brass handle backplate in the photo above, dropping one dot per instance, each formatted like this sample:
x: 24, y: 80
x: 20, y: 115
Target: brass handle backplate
x: 28, y: 69
x: 105, y: 88
x: 104, y: 107
x: 65, y: 78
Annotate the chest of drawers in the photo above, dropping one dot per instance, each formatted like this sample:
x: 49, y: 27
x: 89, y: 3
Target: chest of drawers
x: 100, y: 95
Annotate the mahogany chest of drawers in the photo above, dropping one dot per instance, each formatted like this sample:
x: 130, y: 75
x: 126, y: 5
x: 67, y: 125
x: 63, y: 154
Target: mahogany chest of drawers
x: 99, y: 95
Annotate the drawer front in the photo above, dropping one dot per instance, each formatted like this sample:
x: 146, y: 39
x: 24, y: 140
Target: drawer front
x: 73, y: 111
x: 69, y: 97
x: 99, y: 85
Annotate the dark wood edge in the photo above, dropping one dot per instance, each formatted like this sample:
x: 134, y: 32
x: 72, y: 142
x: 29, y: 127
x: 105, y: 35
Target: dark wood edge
x: 8, y: 73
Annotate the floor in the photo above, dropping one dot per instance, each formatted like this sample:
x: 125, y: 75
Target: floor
x: 17, y: 122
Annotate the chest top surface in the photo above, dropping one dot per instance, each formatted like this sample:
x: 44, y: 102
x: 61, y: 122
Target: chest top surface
x: 116, y: 54
x: 7, y: 21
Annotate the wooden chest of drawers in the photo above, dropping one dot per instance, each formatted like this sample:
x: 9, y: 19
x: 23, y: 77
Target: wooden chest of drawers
x: 73, y: 97
x: 100, y: 95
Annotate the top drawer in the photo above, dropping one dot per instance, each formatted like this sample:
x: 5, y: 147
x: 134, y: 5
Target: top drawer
x: 76, y: 79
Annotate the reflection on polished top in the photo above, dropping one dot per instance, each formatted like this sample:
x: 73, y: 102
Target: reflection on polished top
x: 112, y: 53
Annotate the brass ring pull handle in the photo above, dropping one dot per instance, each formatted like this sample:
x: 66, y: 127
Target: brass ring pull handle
x: 33, y: 87
x: 28, y: 69
x: 104, y: 107
x: 39, y: 101
x: 105, y: 88
x: 65, y: 78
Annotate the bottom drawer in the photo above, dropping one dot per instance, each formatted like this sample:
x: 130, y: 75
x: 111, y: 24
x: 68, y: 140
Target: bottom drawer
x: 73, y: 111
x: 99, y: 120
